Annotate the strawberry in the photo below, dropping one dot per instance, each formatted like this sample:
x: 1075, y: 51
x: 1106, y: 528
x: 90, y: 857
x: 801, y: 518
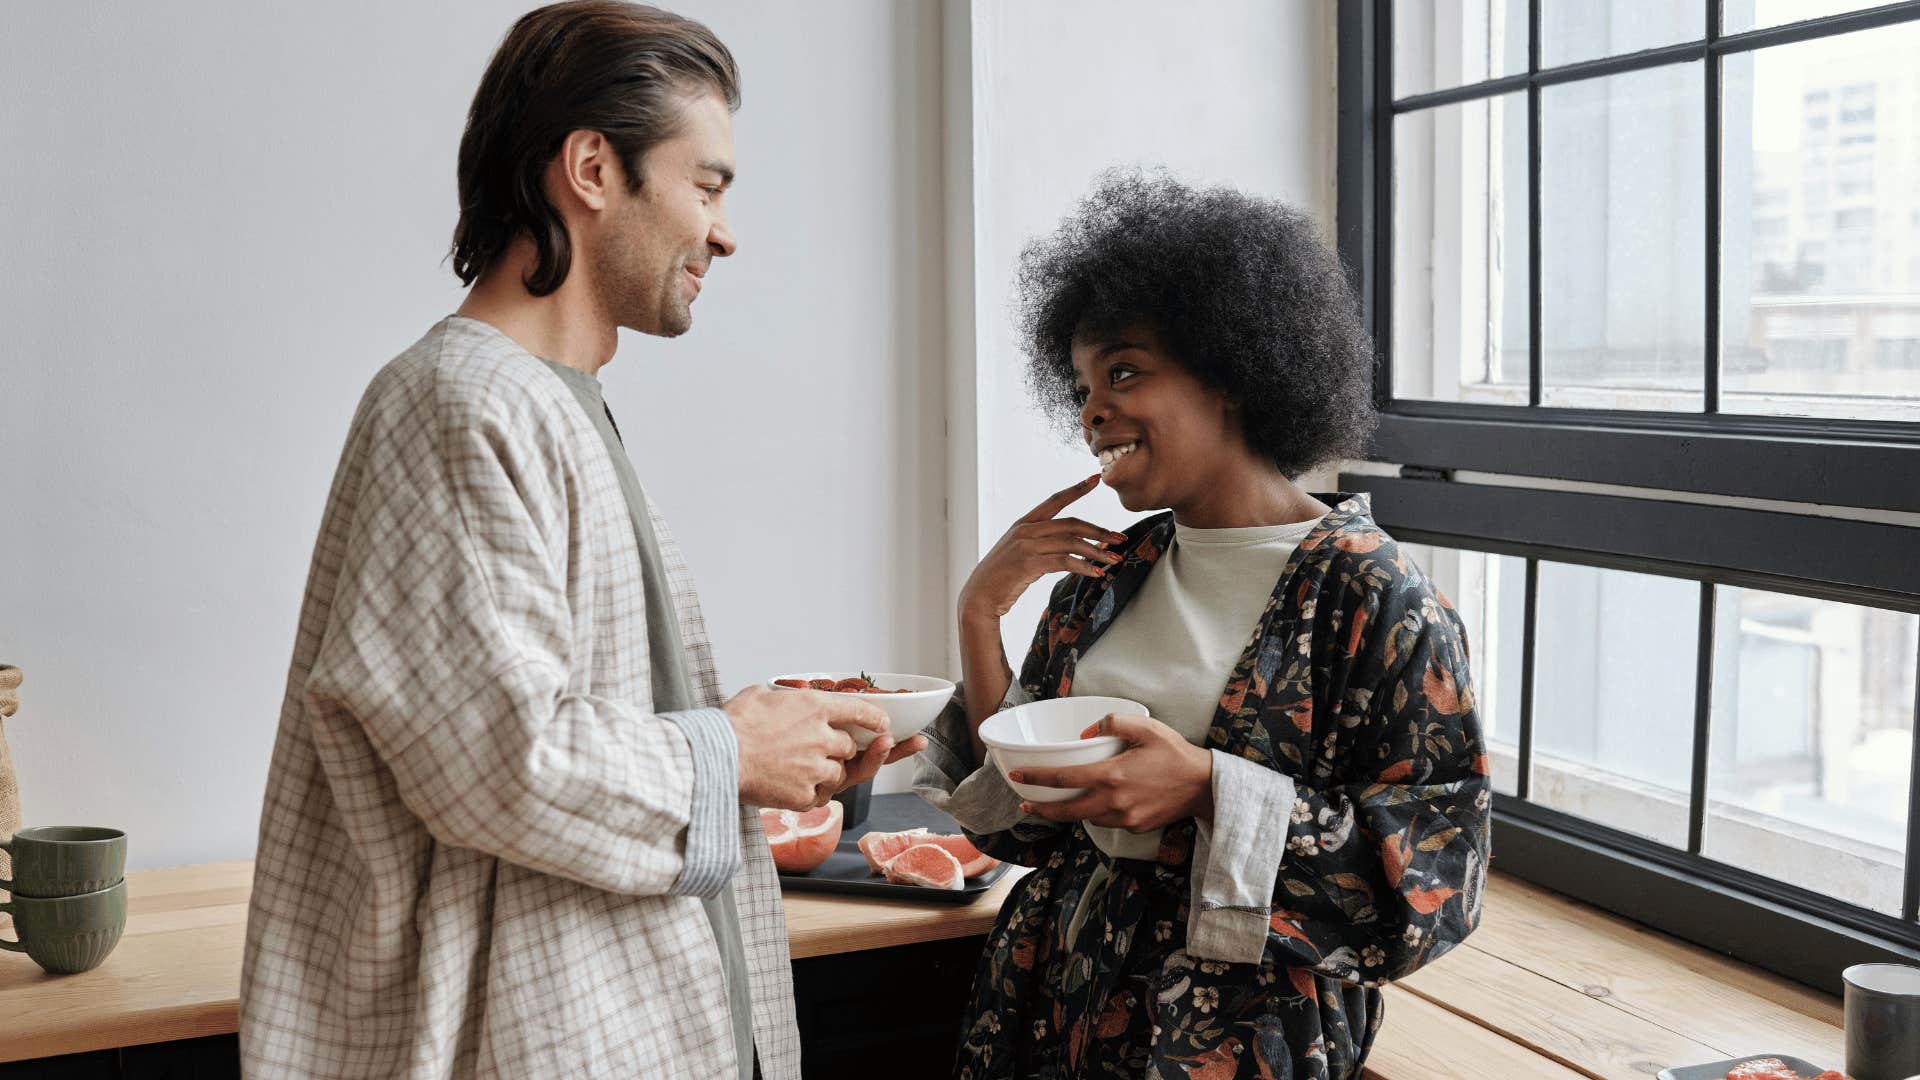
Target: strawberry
x: 852, y: 684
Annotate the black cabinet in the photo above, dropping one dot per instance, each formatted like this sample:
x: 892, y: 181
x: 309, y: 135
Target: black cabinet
x: 892, y: 1012
x: 216, y: 1057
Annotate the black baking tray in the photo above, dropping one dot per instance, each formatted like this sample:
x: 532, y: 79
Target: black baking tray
x: 1717, y: 1070
x: 845, y: 871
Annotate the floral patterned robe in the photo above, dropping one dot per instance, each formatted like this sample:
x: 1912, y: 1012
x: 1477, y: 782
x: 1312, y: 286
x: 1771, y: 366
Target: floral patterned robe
x: 1355, y: 683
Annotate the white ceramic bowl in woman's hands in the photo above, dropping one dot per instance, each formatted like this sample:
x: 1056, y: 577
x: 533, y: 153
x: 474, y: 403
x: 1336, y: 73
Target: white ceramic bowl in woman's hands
x: 1046, y: 734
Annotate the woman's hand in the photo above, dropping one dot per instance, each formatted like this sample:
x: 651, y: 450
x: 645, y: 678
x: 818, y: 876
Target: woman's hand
x: 1039, y: 544
x: 1158, y: 779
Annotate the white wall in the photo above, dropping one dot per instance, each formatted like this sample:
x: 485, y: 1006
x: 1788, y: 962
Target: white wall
x: 1235, y: 92
x: 217, y: 220
x: 795, y: 434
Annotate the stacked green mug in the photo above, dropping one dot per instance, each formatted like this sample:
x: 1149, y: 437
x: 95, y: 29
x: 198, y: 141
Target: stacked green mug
x: 69, y: 895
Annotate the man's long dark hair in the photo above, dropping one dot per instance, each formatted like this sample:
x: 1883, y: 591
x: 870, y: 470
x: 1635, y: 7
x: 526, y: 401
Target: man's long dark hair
x: 618, y: 68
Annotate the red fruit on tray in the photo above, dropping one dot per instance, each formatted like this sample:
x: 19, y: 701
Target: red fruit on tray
x: 797, y: 684
x: 878, y: 847
x: 802, y: 840
x: 821, y: 684
x: 881, y: 847
x: 851, y: 686
x: 1762, y: 1069
x: 973, y: 861
x: 927, y: 865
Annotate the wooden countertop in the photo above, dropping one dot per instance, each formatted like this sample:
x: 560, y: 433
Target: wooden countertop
x: 174, y: 975
x: 176, y: 972
x: 1546, y: 988
x: 819, y: 924
x: 1549, y: 987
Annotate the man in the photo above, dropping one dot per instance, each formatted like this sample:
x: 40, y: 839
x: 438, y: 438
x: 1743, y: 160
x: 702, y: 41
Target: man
x: 509, y: 825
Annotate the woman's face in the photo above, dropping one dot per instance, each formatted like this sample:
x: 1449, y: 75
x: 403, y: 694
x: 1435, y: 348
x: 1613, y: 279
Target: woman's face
x: 1163, y: 437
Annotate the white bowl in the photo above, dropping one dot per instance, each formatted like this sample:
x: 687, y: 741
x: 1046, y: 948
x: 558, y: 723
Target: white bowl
x: 907, y: 714
x: 1047, y: 734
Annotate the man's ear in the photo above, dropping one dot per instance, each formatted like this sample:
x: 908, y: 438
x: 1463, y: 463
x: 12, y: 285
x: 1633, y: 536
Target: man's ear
x: 585, y: 171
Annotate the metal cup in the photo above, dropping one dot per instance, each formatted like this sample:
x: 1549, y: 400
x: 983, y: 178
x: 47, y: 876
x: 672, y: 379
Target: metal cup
x: 1883, y: 1021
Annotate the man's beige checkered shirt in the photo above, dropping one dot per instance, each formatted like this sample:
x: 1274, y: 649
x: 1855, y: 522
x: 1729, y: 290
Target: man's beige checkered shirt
x: 481, y: 852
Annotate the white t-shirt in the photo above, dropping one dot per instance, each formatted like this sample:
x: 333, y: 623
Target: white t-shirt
x: 1176, y: 642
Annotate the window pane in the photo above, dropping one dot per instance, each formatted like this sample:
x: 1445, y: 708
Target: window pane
x: 1439, y: 44
x: 1622, y: 240
x: 1490, y: 593
x: 1575, y: 30
x: 1613, y: 691
x: 1820, y: 291
x: 1812, y: 740
x: 1460, y: 252
x: 1741, y: 15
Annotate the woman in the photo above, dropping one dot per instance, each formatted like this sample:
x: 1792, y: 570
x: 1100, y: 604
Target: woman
x: 1305, y: 814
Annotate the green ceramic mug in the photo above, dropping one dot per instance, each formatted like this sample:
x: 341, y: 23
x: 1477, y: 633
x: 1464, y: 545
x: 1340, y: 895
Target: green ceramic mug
x: 68, y: 934
x: 65, y: 860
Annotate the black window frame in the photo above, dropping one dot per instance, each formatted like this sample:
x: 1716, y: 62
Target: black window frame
x: 1834, y: 462
x: 1683, y: 458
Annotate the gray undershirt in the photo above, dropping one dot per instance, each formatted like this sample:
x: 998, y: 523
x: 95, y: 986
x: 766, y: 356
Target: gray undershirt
x: 671, y: 689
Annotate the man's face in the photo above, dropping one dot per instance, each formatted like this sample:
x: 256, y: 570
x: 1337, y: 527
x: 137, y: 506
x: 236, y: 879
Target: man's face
x: 658, y: 242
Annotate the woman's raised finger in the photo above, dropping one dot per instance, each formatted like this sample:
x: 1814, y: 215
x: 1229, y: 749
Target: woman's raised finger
x: 1051, y: 506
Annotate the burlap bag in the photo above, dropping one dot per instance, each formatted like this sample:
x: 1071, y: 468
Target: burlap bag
x: 9, y: 786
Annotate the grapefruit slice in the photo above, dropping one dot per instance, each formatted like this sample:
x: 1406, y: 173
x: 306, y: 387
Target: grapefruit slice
x: 1762, y: 1069
x: 775, y: 826
x: 973, y: 861
x: 878, y: 847
x: 928, y: 865
x: 802, y: 840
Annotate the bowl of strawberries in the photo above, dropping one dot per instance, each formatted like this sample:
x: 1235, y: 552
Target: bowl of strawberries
x: 910, y: 701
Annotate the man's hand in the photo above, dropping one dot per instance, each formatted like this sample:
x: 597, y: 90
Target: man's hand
x: 880, y: 751
x: 794, y: 748
x: 1160, y: 778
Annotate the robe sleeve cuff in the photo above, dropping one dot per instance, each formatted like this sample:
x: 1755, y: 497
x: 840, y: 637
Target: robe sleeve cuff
x: 713, y: 825
x: 1236, y: 860
x: 971, y: 792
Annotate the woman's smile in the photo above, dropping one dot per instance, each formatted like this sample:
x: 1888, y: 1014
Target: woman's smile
x: 1115, y: 457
